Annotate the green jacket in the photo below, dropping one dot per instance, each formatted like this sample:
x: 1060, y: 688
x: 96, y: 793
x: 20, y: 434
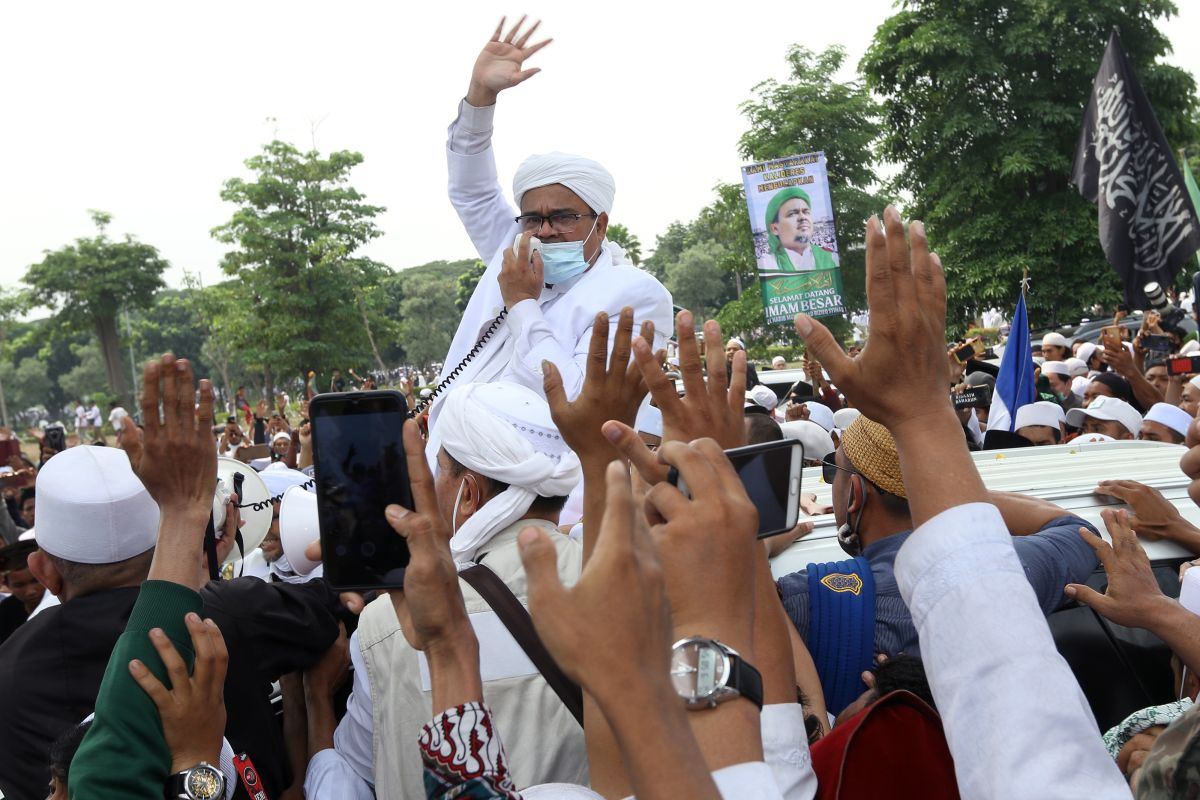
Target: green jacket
x: 124, y: 753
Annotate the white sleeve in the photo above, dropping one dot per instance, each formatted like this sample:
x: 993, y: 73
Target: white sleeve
x: 474, y: 187
x: 753, y: 780
x: 354, y: 736
x: 329, y: 777
x: 785, y: 750
x: 1016, y: 721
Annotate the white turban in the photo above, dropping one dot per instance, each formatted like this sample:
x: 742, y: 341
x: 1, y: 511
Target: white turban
x: 504, y: 432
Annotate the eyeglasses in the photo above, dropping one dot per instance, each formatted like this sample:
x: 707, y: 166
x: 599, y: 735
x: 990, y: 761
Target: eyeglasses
x: 829, y: 468
x: 561, y: 223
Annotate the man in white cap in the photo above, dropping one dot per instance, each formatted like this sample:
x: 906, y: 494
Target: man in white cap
x: 1040, y: 423
x: 1058, y: 376
x: 1055, y: 347
x: 551, y: 295
x: 1089, y: 354
x: 763, y: 397
x: 732, y: 345
x: 1165, y: 423
x: 1109, y: 416
x: 502, y: 466
x: 778, y: 362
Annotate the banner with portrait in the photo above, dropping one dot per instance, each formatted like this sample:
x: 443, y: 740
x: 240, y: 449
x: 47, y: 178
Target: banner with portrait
x: 795, y: 244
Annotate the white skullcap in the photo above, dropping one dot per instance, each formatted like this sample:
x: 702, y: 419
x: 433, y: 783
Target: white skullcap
x: 1195, y: 381
x: 649, y: 419
x: 1040, y: 413
x: 762, y: 395
x: 1109, y: 409
x: 504, y: 431
x: 778, y: 362
x: 1171, y: 416
x: 1056, y: 368
x: 1079, y: 385
x: 1189, y: 348
x: 844, y: 416
x: 584, y: 177
x: 1086, y: 351
x: 281, y: 435
x: 1055, y: 339
x: 92, y: 509
x: 821, y: 414
x: 736, y: 340
x: 816, y: 440
x: 1076, y: 367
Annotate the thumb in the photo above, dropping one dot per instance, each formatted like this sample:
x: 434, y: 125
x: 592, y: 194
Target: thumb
x: 1087, y: 596
x: 631, y: 447
x: 820, y: 343
x: 540, y: 559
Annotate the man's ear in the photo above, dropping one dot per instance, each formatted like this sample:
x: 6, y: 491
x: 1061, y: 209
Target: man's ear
x: 46, y: 573
x: 602, y: 224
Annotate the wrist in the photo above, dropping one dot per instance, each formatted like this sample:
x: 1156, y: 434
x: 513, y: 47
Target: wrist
x: 480, y: 96
x: 454, y: 673
x: 190, y: 758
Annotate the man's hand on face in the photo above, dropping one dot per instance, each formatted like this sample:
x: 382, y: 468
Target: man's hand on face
x: 499, y: 64
x: 613, y: 388
x: 520, y: 277
x: 178, y: 465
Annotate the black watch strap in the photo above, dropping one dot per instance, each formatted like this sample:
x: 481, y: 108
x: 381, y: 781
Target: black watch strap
x: 746, y: 680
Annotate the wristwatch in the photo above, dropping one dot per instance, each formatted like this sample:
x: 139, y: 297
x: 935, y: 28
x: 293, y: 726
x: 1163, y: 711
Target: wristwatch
x: 201, y: 782
x: 705, y: 672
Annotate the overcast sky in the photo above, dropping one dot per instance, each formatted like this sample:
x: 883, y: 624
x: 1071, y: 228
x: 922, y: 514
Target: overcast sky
x: 143, y: 109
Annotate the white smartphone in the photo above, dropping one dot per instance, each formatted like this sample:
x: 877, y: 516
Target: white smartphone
x: 534, y: 245
x: 770, y: 473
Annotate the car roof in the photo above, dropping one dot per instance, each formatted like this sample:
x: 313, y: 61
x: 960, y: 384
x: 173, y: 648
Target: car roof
x: 1065, y: 475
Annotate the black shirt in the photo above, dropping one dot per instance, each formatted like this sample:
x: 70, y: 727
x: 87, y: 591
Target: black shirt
x: 12, y: 615
x: 51, y: 670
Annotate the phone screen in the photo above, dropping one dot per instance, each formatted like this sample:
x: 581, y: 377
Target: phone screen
x: 358, y: 458
x: 1183, y: 365
x: 770, y: 473
x: 965, y: 353
x: 1156, y: 344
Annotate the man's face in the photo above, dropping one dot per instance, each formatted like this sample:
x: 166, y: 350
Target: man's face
x: 558, y: 199
x: 235, y: 434
x: 1157, y: 432
x: 730, y: 349
x: 27, y: 509
x: 1190, y: 399
x: 793, y: 225
x: 282, y: 446
x: 1107, y: 427
x: 271, y: 545
x: 1054, y: 352
x: 25, y: 587
x: 1040, y: 435
x: 1158, y: 378
x: 1059, y: 384
x: 1096, y: 389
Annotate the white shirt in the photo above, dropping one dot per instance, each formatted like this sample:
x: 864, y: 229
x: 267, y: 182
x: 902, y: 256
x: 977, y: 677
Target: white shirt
x: 81, y: 417
x: 115, y: 416
x: 803, y: 262
x: 1016, y: 721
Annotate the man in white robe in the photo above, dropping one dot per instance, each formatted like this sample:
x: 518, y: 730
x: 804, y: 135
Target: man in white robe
x: 564, y: 201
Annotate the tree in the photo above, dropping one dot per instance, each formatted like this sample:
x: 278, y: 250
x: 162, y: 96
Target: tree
x: 696, y: 280
x: 90, y: 281
x: 631, y: 244
x: 427, y: 319
x: 26, y: 385
x: 466, y: 283
x: 86, y: 379
x: 308, y: 300
x: 983, y: 105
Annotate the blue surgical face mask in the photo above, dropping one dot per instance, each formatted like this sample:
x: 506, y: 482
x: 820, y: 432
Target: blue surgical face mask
x: 564, y: 260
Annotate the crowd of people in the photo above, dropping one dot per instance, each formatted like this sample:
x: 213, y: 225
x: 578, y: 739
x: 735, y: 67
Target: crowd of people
x: 571, y: 624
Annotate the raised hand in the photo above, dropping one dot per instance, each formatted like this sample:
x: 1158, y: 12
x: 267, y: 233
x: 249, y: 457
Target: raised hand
x: 500, y: 63
x: 1133, y: 597
x: 193, y: 709
x: 178, y: 465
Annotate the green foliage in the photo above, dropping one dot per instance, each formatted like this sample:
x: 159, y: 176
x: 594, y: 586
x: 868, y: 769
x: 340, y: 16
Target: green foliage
x: 170, y: 324
x: 89, y: 282
x: 466, y: 283
x: 983, y: 104
x: 26, y: 385
x: 87, y: 378
x: 696, y: 280
x: 428, y: 318
x: 632, y: 245
x: 305, y: 299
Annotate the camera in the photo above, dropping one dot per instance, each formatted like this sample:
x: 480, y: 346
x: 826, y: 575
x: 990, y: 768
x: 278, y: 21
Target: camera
x: 1170, y: 315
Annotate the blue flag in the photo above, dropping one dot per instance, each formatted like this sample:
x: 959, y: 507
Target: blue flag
x: 1015, y: 385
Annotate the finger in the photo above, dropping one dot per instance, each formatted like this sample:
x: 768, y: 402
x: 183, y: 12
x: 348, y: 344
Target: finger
x: 1087, y: 596
x: 728, y: 482
x: 533, y: 48
x: 664, y: 503
x: 736, y: 393
x: 552, y: 387
x: 419, y: 477
x: 597, y: 357
x: 821, y: 343
x: 499, y: 30
x: 689, y: 355
x: 176, y: 670
x: 627, y: 442
x: 205, y: 414
x: 714, y: 356
x: 540, y: 559
x: 1103, y: 550
x: 170, y: 395
x: 662, y: 389
x: 879, y: 276
x: 922, y: 267
x: 538, y: 268
x: 150, y: 398
x: 186, y: 399
x: 525, y: 37
x: 515, y: 29
x: 1117, y: 524
x: 151, y: 685
x: 202, y: 647
x: 312, y: 550
x: 130, y: 441
x: 616, y: 526
x: 523, y: 76
x: 353, y: 601
x: 899, y: 260
x: 619, y: 361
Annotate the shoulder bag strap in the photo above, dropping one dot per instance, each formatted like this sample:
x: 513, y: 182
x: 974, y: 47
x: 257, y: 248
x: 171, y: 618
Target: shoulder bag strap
x: 514, y: 616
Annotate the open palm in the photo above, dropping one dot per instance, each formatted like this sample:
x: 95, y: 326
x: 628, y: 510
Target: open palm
x: 499, y: 65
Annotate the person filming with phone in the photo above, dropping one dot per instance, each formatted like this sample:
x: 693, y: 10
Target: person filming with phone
x: 550, y: 267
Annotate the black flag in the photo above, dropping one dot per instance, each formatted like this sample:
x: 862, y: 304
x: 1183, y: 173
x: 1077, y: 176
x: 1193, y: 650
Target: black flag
x: 1123, y: 163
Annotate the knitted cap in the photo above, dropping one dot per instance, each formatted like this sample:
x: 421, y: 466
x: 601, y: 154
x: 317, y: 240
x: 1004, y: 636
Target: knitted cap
x: 872, y: 451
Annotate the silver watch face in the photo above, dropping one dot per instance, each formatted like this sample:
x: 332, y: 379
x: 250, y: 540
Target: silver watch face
x: 203, y: 782
x: 699, y: 667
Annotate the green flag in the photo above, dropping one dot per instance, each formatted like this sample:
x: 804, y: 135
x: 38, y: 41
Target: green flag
x: 1189, y: 180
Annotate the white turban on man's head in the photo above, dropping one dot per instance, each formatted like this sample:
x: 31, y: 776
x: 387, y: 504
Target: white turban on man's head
x: 586, y: 178
x: 504, y: 432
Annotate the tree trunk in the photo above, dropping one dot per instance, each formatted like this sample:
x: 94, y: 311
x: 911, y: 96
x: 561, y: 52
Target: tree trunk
x: 362, y: 309
x: 110, y: 348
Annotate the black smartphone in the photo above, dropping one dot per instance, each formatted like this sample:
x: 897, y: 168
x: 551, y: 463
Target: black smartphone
x: 978, y: 397
x: 770, y: 473
x: 56, y: 438
x: 1183, y: 365
x: 358, y: 460
x: 1156, y: 343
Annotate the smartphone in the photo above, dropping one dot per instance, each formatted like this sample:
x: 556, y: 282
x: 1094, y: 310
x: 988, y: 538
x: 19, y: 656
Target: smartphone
x: 359, y: 465
x: 535, y: 244
x: 770, y: 473
x: 250, y: 452
x: 1110, y: 337
x: 978, y: 397
x: 973, y: 348
x: 1155, y: 343
x: 56, y: 438
x: 1183, y: 365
